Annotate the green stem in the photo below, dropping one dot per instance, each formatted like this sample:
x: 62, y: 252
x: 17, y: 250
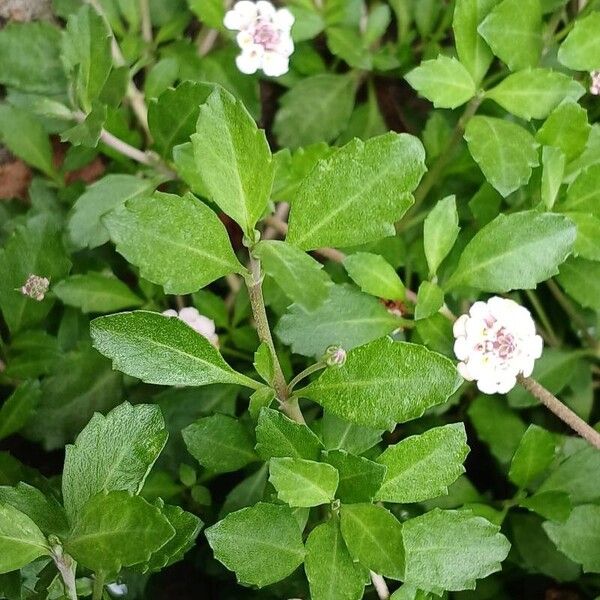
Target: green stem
x: 303, y: 374
x: 98, y: 586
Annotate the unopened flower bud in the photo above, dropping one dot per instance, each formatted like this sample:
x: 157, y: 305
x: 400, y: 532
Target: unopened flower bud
x: 335, y: 356
x: 35, y: 287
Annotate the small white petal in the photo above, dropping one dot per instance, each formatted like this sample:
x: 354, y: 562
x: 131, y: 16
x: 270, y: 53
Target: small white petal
x: 249, y: 61
x: 459, y: 325
x: 463, y: 371
x: 536, y: 346
x: 506, y: 384
x: 265, y: 9
x: 462, y: 349
x: 275, y: 64
x: 283, y: 19
x: 526, y: 367
x: 233, y: 20
x: 244, y: 40
x: 170, y: 313
x: 479, y: 310
x: 285, y: 46
x: 487, y: 386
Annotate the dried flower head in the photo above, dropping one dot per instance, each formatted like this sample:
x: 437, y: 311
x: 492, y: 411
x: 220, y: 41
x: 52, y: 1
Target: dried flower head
x: 203, y: 325
x: 264, y: 36
x: 495, y: 342
x: 35, y: 287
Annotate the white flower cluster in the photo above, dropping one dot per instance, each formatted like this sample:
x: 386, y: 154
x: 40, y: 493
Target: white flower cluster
x: 595, y: 85
x: 203, y: 325
x: 264, y: 37
x: 35, y: 287
x: 495, y: 342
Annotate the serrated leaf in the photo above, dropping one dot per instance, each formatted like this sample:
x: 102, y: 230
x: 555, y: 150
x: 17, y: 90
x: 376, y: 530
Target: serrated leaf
x: 430, y: 298
x: 357, y: 194
x: 421, y: 467
x: 580, y: 278
x: 583, y: 195
x: 161, y: 350
x: 384, y: 383
x: 299, y: 275
x: 515, y: 251
x: 115, y: 452
x: 534, y: 454
x: 517, y: 42
x: 440, y: 231
x: 219, y: 443
x: 374, y: 538
x: 330, y: 570
x: 504, y: 151
x: 301, y: 482
x: 444, y: 81
x: 374, y: 275
x: 18, y: 408
x: 343, y: 435
x: 233, y: 159
x: 450, y: 550
x: 581, y: 50
x: 176, y: 241
x: 262, y: 544
x: 566, y: 128
x: 115, y: 530
x: 278, y: 436
x: 587, y: 243
x: 554, y: 506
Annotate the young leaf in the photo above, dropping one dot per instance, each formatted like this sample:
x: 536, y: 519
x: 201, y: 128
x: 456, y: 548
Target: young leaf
x: 581, y: 50
x: 450, y: 550
x: 96, y: 292
x: 583, y: 195
x: 262, y: 543
x: 233, y: 159
x: 566, y: 128
x: 176, y: 241
x: 430, y: 298
x: 112, y: 191
x: 517, y: 42
x: 515, y: 252
x: 359, y: 477
x: 161, y: 350
x: 21, y: 540
x: 504, y: 151
x: 113, y: 452
x: 384, y: 383
x: 444, y: 81
x: 278, y: 436
x: 374, y: 275
x: 534, y: 454
x: 19, y: 407
x: 357, y: 194
x: 580, y: 278
x: 535, y: 93
x: 423, y: 466
x: 219, y: 443
x: 115, y: 530
x: 440, y: 231
x: 263, y: 362
x: 330, y: 570
x: 299, y: 275
x: 343, y: 435
x: 301, y: 482
x: 553, y: 162
x: 374, y: 538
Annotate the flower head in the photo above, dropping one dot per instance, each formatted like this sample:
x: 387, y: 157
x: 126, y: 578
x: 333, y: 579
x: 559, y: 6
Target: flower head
x: 595, y: 84
x: 495, y: 342
x: 335, y: 356
x: 264, y: 36
x: 35, y: 287
x: 203, y: 325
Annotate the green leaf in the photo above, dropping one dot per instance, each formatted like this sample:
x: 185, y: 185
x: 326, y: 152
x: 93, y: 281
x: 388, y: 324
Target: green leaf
x: 517, y: 42
x: 33, y: 248
x: 278, y: 436
x: 112, y: 191
x: 357, y: 194
x: 176, y: 241
x: 566, y: 128
x: 262, y: 544
x: 19, y: 407
x: 583, y: 195
x: 113, y: 452
x: 554, y: 506
x: 409, y: 592
x: 31, y: 58
x: 299, y: 275
x: 173, y: 115
x: 471, y: 48
x: 301, y: 482
x: 21, y: 540
x: 374, y: 538
x: 219, y: 443
x: 233, y: 159
x: 587, y: 244
x: 263, y: 362
x: 534, y: 455
x: 343, y: 435
x: 580, y: 278
x: 535, y: 93
x: 87, y: 132
x: 578, y: 537
x: 161, y: 350
x: 440, y: 231
x: 330, y: 570
x: 316, y: 109
x: 96, y: 292
x: 374, y: 275
x: 581, y: 50
x: 450, y: 550
x: 384, y: 383
x: 210, y: 12
x: 430, y: 298
x: 515, y: 251
x: 423, y: 466
x: 504, y: 151
x: 444, y: 81
x: 87, y: 54
x: 347, y: 318
x: 553, y: 161
x: 359, y: 477
x: 115, y: 530
x: 25, y: 137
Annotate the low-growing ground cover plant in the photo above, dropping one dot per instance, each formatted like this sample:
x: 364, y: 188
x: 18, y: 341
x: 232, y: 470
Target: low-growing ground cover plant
x: 300, y: 300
